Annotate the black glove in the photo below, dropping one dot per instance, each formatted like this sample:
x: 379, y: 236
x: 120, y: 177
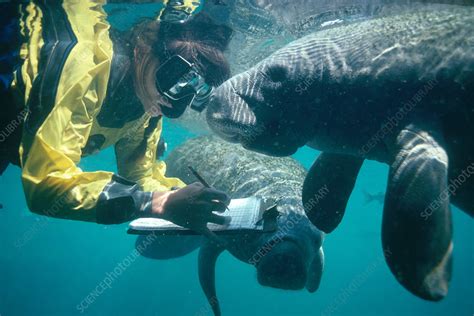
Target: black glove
x: 193, y: 206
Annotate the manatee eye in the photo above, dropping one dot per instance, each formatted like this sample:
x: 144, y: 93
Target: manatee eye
x: 277, y: 73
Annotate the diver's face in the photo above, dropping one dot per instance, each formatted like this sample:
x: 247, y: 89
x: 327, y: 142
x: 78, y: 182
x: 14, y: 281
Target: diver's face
x: 240, y: 112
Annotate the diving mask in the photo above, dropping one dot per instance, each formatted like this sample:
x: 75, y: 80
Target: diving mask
x: 181, y: 84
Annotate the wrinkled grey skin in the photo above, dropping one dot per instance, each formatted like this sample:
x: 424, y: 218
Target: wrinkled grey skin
x: 396, y: 89
x: 291, y: 257
x: 263, y: 26
x: 167, y: 247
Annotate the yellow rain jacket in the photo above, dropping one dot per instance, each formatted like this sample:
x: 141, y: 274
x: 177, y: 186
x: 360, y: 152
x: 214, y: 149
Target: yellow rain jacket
x: 76, y: 93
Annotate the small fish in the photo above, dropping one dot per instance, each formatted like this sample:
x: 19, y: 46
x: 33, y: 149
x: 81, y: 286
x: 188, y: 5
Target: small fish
x: 1, y: 206
x: 377, y: 197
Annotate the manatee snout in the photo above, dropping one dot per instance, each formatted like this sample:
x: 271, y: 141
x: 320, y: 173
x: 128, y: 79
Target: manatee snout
x: 241, y: 114
x: 230, y: 116
x: 284, y: 267
x: 292, y: 259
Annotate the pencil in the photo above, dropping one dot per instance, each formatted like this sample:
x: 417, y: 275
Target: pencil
x: 204, y: 183
x: 198, y: 176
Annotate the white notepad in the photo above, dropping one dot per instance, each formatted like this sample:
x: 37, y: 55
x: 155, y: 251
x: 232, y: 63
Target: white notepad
x: 244, y: 214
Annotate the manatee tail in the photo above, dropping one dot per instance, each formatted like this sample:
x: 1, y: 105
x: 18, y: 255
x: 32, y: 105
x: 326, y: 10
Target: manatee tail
x: 208, y: 255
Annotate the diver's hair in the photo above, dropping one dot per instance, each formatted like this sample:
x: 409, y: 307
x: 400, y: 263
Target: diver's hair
x: 199, y: 40
x: 145, y: 63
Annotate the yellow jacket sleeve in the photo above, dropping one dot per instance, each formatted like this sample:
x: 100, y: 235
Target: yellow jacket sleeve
x: 55, y: 133
x: 136, y: 158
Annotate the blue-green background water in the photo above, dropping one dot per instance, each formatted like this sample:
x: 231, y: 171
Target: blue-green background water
x: 48, y: 266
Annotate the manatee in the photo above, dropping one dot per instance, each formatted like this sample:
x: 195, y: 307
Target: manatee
x: 397, y: 89
x: 289, y: 258
x: 261, y: 27
x: 167, y: 247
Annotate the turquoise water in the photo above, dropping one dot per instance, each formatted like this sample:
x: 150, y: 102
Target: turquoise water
x: 49, y: 266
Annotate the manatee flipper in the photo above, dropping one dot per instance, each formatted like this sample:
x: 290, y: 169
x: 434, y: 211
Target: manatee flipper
x: 327, y: 188
x: 208, y: 255
x: 416, y: 227
x: 315, y: 272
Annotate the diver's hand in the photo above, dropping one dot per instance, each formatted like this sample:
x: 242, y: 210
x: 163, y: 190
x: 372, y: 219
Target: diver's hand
x: 192, y: 207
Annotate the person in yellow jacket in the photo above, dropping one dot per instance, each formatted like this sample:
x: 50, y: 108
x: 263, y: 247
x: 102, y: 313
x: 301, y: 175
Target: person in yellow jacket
x: 83, y: 86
